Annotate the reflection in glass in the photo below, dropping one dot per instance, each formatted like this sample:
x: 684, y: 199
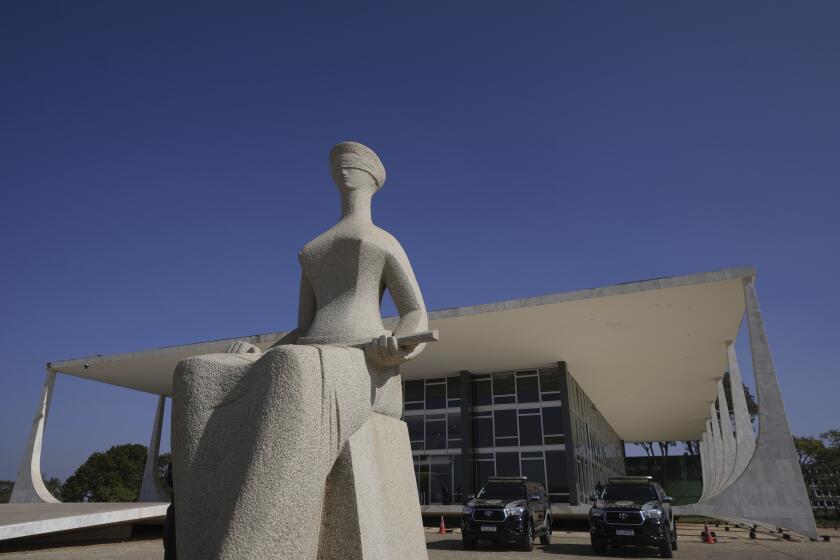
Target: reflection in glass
x: 527, y: 389
x: 482, y: 431
x: 481, y: 392
x: 414, y: 390
x: 436, y: 431
x: 530, y: 431
x: 436, y: 396
x: 507, y: 464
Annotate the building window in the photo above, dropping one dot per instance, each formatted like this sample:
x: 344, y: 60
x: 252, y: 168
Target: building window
x: 558, y: 482
x: 552, y: 418
x: 414, y: 395
x: 505, y: 428
x: 482, y: 426
x: 454, y: 429
x: 483, y: 468
x: 415, y: 431
x: 504, y: 388
x: 453, y: 389
x: 507, y: 464
x: 527, y: 386
x: 481, y: 392
x: 530, y: 429
x: 435, y: 431
x: 435, y: 394
x: 533, y: 466
x: 550, y: 385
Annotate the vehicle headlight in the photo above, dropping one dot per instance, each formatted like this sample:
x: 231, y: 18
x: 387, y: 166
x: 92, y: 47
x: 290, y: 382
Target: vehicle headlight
x: 516, y: 510
x: 596, y: 512
x: 467, y: 510
x: 651, y: 511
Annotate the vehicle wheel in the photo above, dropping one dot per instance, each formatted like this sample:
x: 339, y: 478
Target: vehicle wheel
x: 469, y: 543
x: 665, y: 550
x: 674, y: 540
x: 546, y: 538
x: 598, y: 547
x: 528, y: 540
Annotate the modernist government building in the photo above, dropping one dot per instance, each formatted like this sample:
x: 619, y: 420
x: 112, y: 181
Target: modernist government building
x: 550, y: 387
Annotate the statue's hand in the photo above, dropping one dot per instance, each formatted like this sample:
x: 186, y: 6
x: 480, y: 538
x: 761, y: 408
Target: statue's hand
x: 385, y: 352
x: 242, y: 347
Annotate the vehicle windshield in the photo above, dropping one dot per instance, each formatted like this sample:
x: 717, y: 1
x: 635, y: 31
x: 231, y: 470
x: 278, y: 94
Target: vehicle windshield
x: 502, y: 492
x: 628, y: 493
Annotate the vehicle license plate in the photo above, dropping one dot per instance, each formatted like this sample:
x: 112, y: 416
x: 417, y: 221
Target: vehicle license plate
x: 491, y: 528
x: 624, y: 532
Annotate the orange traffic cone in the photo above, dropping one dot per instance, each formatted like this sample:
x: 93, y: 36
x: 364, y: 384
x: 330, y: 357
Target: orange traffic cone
x: 442, y: 529
x: 707, y: 535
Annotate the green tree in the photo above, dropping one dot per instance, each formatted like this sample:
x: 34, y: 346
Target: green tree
x: 164, y: 461
x: 112, y: 476
x: 810, y: 450
x: 819, y: 458
x: 54, y: 486
x: 6, y: 490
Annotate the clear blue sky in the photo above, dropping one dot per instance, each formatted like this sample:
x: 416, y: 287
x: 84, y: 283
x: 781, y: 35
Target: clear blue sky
x: 159, y: 170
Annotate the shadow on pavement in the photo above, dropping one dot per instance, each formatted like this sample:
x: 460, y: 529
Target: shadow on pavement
x: 456, y: 544
x: 578, y: 549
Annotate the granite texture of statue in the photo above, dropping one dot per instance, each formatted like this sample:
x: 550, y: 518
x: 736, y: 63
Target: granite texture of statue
x: 299, y: 452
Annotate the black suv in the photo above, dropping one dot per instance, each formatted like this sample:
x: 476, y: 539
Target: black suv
x: 632, y: 510
x: 508, y: 509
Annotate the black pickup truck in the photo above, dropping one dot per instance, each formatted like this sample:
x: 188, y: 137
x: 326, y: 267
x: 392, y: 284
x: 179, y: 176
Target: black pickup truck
x: 507, y: 509
x: 632, y: 510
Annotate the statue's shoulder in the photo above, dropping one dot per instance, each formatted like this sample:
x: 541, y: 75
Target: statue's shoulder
x: 384, y: 240
x: 369, y: 235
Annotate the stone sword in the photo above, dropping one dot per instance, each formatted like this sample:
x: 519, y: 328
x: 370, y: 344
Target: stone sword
x: 402, y: 341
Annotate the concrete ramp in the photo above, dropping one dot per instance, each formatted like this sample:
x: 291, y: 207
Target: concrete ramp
x: 32, y: 520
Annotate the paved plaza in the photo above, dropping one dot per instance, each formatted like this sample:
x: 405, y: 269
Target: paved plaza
x: 732, y: 544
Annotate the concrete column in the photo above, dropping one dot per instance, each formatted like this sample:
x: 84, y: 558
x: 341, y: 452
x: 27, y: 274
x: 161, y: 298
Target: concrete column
x: 744, y: 439
x: 718, y: 442
x: 29, y: 486
x: 704, y: 470
x: 710, y: 446
x: 728, y: 436
x: 467, y: 478
x: 150, y: 490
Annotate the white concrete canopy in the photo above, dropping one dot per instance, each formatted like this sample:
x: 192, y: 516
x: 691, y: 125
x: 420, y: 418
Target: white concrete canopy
x: 628, y: 344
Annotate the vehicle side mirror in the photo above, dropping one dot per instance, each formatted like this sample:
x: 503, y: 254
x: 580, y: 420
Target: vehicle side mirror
x: 534, y: 498
x: 593, y: 497
x: 667, y: 499
x: 470, y: 497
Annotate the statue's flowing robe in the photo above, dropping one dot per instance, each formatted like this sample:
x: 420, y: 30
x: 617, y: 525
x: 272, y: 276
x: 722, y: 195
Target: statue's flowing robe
x: 253, y: 432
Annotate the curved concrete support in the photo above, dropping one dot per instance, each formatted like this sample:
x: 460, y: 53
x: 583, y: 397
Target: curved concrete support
x: 729, y: 451
x: 744, y: 438
x: 29, y: 486
x: 718, y: 442
x: 704, y: 466
x: 150, y: 490
x: 771, y: 489
x: 710, y: 445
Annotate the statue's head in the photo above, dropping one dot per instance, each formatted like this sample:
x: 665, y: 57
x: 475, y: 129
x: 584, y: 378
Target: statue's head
x: 355, y: 166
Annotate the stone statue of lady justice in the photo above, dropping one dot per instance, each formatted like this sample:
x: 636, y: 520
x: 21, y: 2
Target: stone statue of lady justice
x: 299, y: 452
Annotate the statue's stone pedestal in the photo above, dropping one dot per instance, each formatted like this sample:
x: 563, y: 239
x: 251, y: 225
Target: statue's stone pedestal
x: 371, y: 508
x: 264, y: 471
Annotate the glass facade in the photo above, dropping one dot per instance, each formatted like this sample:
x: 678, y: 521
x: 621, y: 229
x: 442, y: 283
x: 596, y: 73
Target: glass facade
x: 598, y: 452
x: 468, y: 427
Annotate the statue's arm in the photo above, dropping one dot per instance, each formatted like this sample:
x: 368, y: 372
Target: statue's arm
x: 400, y: 281
x: 306, y: 313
